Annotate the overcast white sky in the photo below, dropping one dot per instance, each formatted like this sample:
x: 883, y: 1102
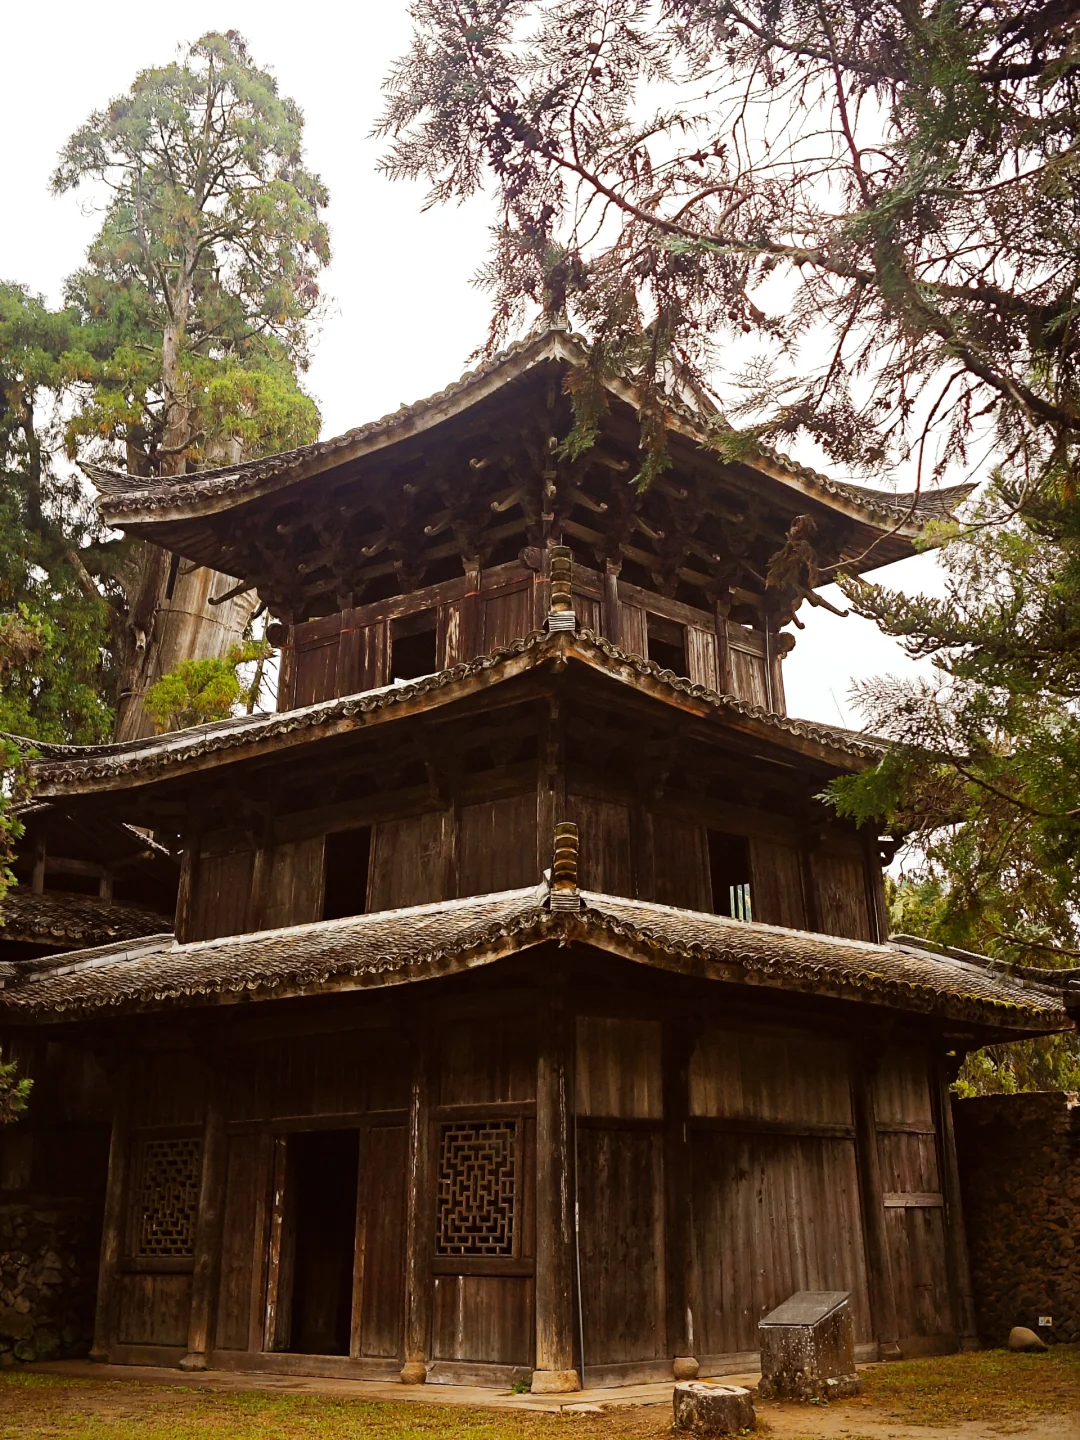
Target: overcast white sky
x: 404, y: 316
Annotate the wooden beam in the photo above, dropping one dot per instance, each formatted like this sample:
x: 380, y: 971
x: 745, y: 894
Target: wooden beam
x: 419, y: 1216
x: 555, y: 1372
x: 875, y: 1236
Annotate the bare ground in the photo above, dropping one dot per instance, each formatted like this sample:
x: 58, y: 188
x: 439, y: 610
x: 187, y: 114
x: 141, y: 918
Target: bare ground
x: 958, y: 1397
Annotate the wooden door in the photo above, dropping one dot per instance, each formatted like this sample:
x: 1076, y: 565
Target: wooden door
x: 914, y: 1205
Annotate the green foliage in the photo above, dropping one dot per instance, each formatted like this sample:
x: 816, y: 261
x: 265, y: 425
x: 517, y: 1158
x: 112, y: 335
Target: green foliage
x: 199, y: 691
x: 14, y: 1093
x: 200, y: 288
x: 982, y: 775
x: 877, y: 201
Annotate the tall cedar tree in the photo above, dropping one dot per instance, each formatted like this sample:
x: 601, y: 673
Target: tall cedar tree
x: 878, y: 201
x: 201, y: 286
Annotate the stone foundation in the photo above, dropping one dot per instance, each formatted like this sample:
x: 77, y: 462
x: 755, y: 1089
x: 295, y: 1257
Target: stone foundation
x: 48, y: 1278
x: 1019, y: 1159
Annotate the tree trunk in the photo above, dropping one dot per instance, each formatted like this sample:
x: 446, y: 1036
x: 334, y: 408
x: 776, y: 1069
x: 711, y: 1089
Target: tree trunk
x: 170, y: 618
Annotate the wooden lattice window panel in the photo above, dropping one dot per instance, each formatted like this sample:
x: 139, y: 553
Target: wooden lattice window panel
x: 167, y: 1197
x: 477, y: 1188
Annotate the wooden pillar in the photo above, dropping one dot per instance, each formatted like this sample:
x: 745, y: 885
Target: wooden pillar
x: 725, y: 679
x: 955, y: 1231
x: 471, y: 613
x: 612, y: 609
x: 286, y: 691
x: 419, y: 1216
x: 679, y: 1041
x: 204, y: 1278
x: 107, y: 1313
x: 555, y: 1372
x: 875, y: 889
x: 37, y: 881
x: 189, y: 876
x: 878, y: 1263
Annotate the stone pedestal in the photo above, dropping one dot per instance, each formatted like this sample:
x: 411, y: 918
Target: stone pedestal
x: 554, y: 1382
x: 706, y: 1408
x: 808, y: 1348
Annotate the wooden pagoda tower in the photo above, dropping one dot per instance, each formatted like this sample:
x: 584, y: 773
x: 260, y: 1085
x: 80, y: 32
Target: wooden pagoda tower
x: 526, y: 1013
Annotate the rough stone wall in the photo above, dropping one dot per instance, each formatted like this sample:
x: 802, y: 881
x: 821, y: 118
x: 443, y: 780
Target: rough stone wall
x: 48, y: 1278
x: 1019, y: 1161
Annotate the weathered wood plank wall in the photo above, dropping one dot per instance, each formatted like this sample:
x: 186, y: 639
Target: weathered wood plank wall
x: 350, y: 652
x: 772, y: 1188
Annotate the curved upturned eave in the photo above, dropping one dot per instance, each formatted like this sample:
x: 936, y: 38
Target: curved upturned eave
x: 67, y: 770
x: 214, y: 492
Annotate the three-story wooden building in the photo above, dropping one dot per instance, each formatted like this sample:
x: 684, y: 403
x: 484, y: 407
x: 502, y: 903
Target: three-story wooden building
x: 527, y: 1009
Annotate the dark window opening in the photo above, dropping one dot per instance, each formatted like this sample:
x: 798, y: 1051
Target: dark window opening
x: 319, y: 1243
x: 729, y: 870
x: 667, y: 644
x: 412, y: 646
x: 73, y: 884
x: 348, y: 860
x: 174, y: 573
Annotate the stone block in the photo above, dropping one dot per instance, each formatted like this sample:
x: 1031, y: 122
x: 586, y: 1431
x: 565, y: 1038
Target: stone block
x: 704, y: 1407
x: 554, y: 1382
x: 808, y: 1348
x: 1021, y: 1338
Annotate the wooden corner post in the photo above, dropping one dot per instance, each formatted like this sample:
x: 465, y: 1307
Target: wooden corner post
x: 420, y: 1201
x: 555, y: 1372
x: 878, y: 1263
x: 679, y: 1041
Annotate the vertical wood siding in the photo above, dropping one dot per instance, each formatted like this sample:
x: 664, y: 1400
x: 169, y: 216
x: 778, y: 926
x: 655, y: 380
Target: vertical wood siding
x: 839, y: 870
x: 620, y: 1189
x: 497, y: 845
x: 507, y: 616
x: 220, y: 903
x: 681, y: 864
x: 701, y: 657
x: 772, y: 1214
x: 407, y: 861
x: 293, y: 889
x: 618, y: 1068
x: 784, y: 1076
x: 606, y: 855
x: 776, y: 884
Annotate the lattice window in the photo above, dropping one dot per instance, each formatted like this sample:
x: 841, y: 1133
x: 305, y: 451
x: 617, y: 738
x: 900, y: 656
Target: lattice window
x: 477, y: 1184
x: 167, y: 1197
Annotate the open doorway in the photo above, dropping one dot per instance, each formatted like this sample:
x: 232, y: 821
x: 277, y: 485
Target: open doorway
x: 319, y: 1242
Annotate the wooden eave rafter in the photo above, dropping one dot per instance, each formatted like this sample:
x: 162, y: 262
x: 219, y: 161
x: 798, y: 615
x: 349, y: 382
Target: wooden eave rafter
x: 199, y: 515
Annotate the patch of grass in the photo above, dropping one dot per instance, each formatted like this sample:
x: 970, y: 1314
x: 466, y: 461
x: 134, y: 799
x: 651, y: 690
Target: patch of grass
x: 989, y: 1385
x: 45, y: 1407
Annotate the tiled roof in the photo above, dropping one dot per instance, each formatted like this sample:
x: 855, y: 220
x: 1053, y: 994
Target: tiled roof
x: 59, y: 766
x: 63, y: 920
x: 425, y: 941
x: 129, y: 499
